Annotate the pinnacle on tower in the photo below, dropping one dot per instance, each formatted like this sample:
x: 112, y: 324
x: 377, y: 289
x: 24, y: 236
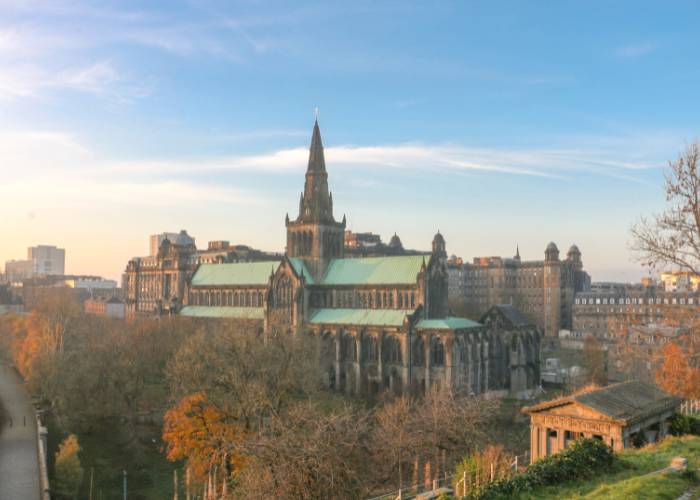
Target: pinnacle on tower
x: 316, y: 203
x: 317, y: 162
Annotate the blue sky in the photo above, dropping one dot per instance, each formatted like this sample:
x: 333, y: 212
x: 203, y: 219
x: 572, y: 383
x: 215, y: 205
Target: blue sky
x: 499, y: 123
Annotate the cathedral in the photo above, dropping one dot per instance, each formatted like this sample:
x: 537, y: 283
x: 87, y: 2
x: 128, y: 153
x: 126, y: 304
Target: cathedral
x: 384, y: 321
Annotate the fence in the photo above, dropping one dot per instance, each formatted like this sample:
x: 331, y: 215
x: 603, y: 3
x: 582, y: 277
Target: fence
x: 690, y: 407
x: 460, y: 485
x: 41, y: 438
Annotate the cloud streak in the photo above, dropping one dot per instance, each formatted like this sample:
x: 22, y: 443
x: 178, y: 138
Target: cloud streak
x: 634, y: 51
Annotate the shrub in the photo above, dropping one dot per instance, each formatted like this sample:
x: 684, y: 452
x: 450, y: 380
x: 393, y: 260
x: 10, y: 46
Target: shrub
x: 581, y: 460
x: 684, y: 424
x: 680, y: 425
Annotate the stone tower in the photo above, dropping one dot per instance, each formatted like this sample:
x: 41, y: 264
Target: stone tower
x: 315, y: 236
x: 552, y: 291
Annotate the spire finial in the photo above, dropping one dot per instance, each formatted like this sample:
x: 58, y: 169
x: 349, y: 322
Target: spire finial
x: 316, y: 113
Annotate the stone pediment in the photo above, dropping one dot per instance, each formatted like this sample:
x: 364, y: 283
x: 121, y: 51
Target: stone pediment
x: 576, y: 410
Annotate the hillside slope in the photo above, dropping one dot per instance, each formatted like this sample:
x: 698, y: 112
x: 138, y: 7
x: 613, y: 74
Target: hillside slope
x: 628, y: 477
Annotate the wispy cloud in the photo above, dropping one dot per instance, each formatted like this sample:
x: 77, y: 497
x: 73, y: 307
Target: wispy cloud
x: 635, y: 50
x: 100, y: 78
x: 561, y: 164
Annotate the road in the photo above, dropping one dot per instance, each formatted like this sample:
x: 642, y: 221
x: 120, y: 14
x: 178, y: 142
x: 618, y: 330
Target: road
x: 19, y: 464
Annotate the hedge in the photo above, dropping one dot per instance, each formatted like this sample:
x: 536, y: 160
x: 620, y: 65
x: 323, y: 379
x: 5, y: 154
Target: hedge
x: 583, y: 459
x: 684, y: 424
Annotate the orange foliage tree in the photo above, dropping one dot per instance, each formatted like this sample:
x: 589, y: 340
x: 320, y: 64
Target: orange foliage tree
x: 202, y: 434
x: 676, y: 375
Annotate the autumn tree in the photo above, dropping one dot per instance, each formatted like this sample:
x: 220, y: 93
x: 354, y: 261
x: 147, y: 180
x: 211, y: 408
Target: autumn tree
x: 47, y: 329
x: 68, y: 471
x: 196, y: 431
x: 675, y: 375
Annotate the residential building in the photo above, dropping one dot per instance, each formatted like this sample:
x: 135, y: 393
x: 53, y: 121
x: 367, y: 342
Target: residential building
x: 680, y: 281
x: 18, y: 270
x: 48, y: 260
x: 108, y: 307
x: 603, y: 312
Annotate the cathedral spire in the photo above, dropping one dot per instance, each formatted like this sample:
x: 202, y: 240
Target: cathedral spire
x: 316, y: 204
x: 317, y: 162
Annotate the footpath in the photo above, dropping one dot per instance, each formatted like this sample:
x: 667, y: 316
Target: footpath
x: 19, y: 463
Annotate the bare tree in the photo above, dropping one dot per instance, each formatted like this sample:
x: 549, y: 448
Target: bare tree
x: 306, y: 452
x: 673, y: 237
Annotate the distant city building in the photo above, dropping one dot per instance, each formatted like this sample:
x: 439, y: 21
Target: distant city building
x: 606, y: 308
x: 361, y: 240
x: 42, y: 260
x: 48, y: 260
x: 371, y: 245
x: 18, y: 270
x: 93, y: 285
x: 156, y: 283
x: 181, y: 238
x: 542, y: 289
x: 680, y: 281
x: 111, y: 308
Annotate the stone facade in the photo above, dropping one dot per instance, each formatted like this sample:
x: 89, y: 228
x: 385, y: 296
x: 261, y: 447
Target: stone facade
x: 155, y: 284
x: 603, y: 312
x: 622, y: 415
x: 543, y: 290
x: 383, y: 321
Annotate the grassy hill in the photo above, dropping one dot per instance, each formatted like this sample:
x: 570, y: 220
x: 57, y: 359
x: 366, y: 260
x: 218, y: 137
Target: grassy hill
x: 627, y: 477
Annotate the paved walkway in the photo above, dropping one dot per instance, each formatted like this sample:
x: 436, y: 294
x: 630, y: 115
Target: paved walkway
x: 19, y: 464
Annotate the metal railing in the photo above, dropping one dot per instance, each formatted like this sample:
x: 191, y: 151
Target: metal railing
x: 460, y: 485
x: 690, y: 407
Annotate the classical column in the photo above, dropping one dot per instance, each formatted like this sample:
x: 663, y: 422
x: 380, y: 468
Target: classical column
x: 380, y: 358
x: 534, y: 443
x: 427, y: 363
x: 544, y: 441
x: 561, y: 444
x: 338, y: 357
x: 358, y: 363
x: 449, y: 361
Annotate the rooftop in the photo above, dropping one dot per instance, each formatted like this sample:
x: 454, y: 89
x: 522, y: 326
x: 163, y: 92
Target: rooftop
x: 381, y: 317
x: 257, y: 313
x: 626, y: 402
x: 242, y: 273
x: 399, y: 270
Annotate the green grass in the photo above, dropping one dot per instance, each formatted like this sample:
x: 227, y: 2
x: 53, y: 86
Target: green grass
x: 626, y: 479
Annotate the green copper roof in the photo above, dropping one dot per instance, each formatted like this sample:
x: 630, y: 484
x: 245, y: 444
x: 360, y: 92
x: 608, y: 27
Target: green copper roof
x: 382, y: 317
x: 449, y: 323
x: 401, y: 270
x: 300, y: 267
x: 223, y: 312
x: 242, y: 273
